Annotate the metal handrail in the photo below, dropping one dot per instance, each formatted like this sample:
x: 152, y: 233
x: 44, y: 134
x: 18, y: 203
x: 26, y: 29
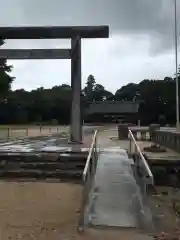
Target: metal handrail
x: 85, y: 172
x: 143, y: 161
x: 87, y: 178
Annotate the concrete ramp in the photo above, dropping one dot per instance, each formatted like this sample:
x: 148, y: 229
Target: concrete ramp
x: 115, y: 200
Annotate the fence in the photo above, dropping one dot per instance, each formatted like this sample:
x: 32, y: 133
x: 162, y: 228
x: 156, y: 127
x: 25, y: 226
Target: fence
x: 167, y: 139
x: 141, y: 134
x: 10, y: 133
x: 142, y: 172
x: 88, y: 177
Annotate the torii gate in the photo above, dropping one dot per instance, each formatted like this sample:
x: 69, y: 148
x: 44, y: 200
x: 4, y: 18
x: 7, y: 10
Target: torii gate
x: 55, y: 32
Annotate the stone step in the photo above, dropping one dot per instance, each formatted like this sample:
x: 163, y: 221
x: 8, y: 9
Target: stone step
x: 64, y: 157
x: 66, y: 166
x: 73, y: 157
x: 34, y: 153
x: 62, y: 175
x: 48, y: 165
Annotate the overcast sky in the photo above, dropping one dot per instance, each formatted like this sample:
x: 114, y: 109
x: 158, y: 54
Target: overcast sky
x: 140, y: 45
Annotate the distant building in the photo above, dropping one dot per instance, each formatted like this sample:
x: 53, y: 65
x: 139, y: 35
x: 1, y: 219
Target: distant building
x: 108, y: 111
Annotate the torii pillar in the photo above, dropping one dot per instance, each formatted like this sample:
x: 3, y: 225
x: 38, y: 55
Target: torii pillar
x: 76, y: 121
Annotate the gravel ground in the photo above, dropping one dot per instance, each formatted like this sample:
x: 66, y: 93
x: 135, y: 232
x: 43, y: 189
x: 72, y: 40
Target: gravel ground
x: 165, y: 207
x: 38, y: 210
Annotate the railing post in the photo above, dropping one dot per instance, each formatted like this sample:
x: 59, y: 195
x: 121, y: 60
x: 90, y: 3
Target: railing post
x: 93, y: 163
x: 144, y: 187
x: 83, y: 202
x: 27, y: 132
x: 8, y: 133
x: 141, y: 168
x: 130, y: 145
x: 95, y: 149
x: 135, y: 167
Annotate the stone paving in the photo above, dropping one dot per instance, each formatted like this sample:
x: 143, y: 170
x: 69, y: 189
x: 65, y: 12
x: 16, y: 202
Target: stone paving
x: 168, y: 155
x: 50, y: 143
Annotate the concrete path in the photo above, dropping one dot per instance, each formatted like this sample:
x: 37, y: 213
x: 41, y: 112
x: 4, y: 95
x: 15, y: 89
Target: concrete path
x: 116, y: 196
x: 116, y: 199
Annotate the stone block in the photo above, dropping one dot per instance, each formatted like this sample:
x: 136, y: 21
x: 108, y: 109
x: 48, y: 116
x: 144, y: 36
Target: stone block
x: 123, y: 131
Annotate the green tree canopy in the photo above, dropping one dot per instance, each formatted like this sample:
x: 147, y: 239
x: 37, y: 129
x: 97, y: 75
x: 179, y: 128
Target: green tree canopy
x: 5, y: 78
x: 157, y: 100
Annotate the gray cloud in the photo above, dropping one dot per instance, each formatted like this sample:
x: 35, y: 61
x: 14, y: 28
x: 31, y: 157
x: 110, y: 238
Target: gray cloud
x: 141, y: 38
x: 145, y: 17
x: 154, y: 18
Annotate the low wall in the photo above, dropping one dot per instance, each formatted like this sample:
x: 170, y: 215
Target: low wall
x: 168, y: 139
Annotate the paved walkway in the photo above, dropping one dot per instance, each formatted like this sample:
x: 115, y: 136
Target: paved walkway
x: 116, y: 195
x: 116, y: 199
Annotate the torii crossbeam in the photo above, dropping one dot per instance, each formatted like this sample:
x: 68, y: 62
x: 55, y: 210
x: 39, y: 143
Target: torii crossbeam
x: 75, y: 33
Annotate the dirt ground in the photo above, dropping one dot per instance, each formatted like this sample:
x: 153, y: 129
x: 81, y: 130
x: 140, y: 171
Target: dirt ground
x: 46, y: 211
x: 38, y: 210
x: 165, y: 207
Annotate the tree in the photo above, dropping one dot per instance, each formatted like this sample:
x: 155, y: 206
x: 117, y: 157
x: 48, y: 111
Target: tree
x: 51, y: 106
x: 90, y: 85
x: 95, y: 92
x: 99, y: 93
x: 5, y: 79
x: 156, y: 97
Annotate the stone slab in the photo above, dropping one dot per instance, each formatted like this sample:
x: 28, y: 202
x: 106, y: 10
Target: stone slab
x: 50, y: 143
x: 168, y: 155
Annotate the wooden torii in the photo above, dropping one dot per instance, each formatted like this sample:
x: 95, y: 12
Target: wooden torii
x: 75, y: 33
